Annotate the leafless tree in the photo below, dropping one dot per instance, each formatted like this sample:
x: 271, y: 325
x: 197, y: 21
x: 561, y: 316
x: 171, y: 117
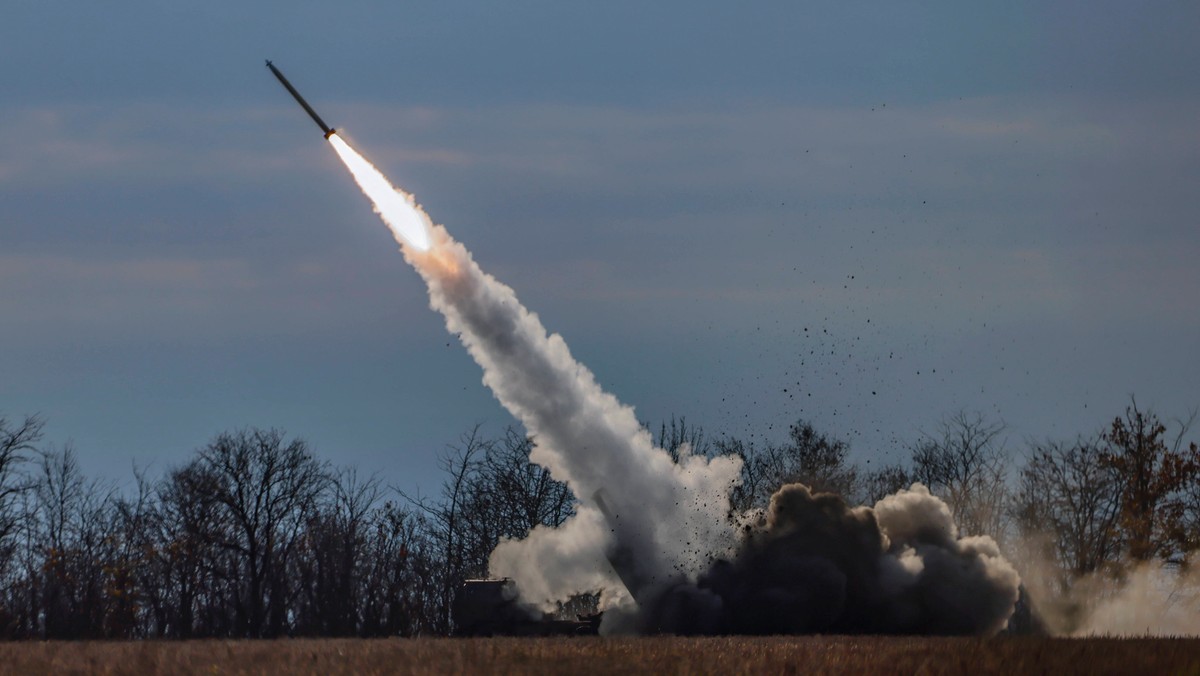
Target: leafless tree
x: 131, y: 537
x: 1070, y: 499
x: 809, y: 457
x: 449, y: 526
x: 492, y: 491
x: 516, y: 493
x: 965, y: 462
x: 328, y: 569
x: 186, y: 558
x: 17, y: 442
x: 819, y: 461
x: 71, y: 548
x: 401, y: 584
x: 880, y: 483
x: 267, y: 487
x: 676, y: 435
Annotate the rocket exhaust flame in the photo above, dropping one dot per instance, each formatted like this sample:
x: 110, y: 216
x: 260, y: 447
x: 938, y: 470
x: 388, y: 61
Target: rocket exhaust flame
x: 398, y: 209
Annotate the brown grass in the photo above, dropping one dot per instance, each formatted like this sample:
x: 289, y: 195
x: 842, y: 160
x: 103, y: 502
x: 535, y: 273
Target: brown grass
x: 594, y: 655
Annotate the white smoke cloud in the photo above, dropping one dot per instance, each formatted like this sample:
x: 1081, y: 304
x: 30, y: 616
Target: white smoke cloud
x: 964, y: 584
x: 552, y: 564
x: 671, y: 517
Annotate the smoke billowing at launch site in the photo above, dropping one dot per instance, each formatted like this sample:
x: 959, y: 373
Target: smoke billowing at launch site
x: 657, y: 537
x: 781, y: 326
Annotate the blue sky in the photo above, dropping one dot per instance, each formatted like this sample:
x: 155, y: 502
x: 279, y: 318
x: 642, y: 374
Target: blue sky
x: 865, y: 214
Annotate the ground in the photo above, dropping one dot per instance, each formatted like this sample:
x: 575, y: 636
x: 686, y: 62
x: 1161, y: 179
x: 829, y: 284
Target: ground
x: 594, y: 655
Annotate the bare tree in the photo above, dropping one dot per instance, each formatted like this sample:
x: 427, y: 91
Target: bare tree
x: 1152, y: 477
x: 448, y: 527
x: 492, y: 491
x: 819, y: 461
x: 134, y: 522
x: 964, y: 461
x: 809, y: 457
x: 267, y: 487
x: 1070, y: 499
x: 1190, y: 521
x: 17, y: 441
x: 71, y: 550
x: 878, y: 484
x: 402, y: 579
x: 675, y: 436
x: 329, y: 566
x: 516, y: 493
x: 186, y: 558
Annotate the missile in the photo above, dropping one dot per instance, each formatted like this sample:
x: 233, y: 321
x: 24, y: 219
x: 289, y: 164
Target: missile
x: 326, y: 129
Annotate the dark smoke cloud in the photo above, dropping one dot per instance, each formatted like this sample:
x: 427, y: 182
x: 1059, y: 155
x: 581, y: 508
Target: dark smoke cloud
x: 812, y: 564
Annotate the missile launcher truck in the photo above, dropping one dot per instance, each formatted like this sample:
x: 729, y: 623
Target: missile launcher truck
x: 491, y: 608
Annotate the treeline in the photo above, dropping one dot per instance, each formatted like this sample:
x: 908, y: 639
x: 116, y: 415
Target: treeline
x: 253, y: 537
x: 256, y: 536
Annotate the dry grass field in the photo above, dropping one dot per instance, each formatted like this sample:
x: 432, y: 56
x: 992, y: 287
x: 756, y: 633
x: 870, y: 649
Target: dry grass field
x: 592, y: 655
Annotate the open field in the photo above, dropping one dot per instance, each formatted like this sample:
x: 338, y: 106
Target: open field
x: 589, y: 655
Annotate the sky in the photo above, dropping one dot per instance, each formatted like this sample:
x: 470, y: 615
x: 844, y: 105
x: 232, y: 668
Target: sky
x: 865, y: 215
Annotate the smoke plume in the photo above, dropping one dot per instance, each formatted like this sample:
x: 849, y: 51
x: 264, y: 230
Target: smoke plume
x: 1153, y: 600
x: 1126, y: 598
x: 812, y: 564
x: 662, y: 529
x: 668, y: 518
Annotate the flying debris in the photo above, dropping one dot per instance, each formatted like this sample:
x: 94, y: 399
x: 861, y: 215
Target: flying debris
x: 329, y: 131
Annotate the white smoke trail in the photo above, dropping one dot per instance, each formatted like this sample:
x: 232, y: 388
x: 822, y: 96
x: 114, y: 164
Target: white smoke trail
x: 810, y: 564
x: 671, y: 518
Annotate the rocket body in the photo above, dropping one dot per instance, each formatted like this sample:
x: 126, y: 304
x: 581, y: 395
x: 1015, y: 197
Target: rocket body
x: 325, y: 129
